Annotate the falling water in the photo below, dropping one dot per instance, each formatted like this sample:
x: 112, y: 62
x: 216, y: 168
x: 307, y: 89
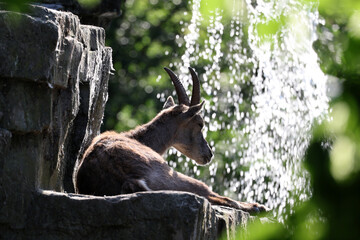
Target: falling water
x: 264, y: 88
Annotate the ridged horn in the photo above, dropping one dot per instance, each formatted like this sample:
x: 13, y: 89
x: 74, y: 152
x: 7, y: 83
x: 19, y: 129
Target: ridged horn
x: 195, y: 97
x: 179, y: 88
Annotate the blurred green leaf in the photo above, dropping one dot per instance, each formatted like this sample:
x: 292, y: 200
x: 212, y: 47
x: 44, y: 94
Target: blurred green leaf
x: 268, y: 29
x: 16, y: 5
x: 89, y: 3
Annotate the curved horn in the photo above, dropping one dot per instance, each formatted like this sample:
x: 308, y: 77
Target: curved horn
x: 180, y: 91
x: 195, y: 97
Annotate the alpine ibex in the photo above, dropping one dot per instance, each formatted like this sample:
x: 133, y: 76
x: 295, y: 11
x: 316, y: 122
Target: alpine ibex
x: 128, y: 162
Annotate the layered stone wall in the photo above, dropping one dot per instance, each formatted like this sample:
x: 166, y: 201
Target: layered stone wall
x: 54, y: 75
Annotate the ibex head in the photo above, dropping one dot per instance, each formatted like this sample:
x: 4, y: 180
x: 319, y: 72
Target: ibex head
x: 189, y: 139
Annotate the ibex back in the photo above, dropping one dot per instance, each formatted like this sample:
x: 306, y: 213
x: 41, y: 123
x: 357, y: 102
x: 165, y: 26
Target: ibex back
x: 119, y: 163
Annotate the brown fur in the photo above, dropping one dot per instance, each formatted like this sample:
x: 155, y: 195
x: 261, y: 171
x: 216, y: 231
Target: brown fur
x: 115, y: 162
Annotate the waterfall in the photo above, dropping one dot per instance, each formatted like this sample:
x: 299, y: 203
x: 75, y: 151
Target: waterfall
x: 264, y: 90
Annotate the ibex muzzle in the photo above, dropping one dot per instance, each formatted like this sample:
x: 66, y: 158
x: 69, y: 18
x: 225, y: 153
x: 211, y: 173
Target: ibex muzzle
x: 189, y: 139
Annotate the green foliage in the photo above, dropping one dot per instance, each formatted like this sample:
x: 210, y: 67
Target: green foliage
x: 15, y: 5
x: 339, y: 47
x: 89, y: 3
x: 333, y: 210
x: 141, y: 40
x: 212, y: 5
x: 268, y: 28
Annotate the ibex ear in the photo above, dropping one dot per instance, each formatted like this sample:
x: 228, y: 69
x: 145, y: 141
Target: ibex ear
x: 193, y: 110
x: 169, y: 103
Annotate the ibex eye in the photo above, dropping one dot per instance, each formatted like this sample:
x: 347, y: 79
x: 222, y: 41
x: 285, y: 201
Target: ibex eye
x: 201, y: 125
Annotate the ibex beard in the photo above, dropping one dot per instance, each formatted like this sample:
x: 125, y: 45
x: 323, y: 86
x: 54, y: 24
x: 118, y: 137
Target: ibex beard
x: 128, y: 162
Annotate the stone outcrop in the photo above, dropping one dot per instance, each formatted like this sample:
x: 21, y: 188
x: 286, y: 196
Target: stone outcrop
x: 54, y: 75
x: 53, y: 89
x: 147, y: 215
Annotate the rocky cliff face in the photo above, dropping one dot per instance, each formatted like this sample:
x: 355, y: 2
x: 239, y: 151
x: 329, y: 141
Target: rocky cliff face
x: 147, y: 215
x: 54, y: 75
x: 53, y: 89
